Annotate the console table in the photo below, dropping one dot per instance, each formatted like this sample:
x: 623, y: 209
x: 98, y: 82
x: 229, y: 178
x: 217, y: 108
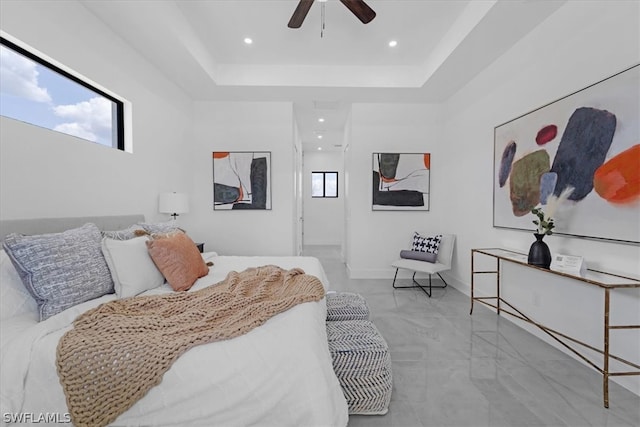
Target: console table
x: 608, y: 282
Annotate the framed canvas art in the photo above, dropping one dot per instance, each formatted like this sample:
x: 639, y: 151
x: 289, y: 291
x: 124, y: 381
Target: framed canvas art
x: 401, y: 181
x: 588, y: 141
x: 241, y: 180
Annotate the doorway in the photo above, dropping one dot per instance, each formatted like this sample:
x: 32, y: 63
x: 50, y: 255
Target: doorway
x: 321, y: 134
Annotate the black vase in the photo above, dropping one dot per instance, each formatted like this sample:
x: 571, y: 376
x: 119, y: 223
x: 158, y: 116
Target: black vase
x: 539, y: 253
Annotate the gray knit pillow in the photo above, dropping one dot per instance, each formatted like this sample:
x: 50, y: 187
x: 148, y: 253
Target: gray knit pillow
x: 61, y: 270
x: 126, y: 234
x: 159, y: 227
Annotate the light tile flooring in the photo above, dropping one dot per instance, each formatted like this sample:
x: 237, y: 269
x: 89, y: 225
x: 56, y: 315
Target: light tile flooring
x: 453, y: 369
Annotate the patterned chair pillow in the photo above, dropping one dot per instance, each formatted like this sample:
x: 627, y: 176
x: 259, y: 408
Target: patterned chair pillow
x: 61, y: 270
x: 426, y: 244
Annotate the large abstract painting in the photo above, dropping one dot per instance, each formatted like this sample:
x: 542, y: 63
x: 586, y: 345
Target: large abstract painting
x: 241, y: 180
x: 590, y: 141
x: 401, y: 181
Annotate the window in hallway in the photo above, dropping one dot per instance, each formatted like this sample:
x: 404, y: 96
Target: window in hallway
x: 324, y: 184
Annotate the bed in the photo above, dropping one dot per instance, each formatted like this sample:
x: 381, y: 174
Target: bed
x: 278, y: 374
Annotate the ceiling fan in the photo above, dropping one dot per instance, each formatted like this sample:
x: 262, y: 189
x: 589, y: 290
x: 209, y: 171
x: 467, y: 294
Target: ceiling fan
x: 358, y: 7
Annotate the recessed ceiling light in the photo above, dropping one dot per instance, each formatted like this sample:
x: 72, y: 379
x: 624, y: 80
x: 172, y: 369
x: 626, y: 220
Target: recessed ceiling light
x: 319, y: 148
x: 393, y: 43
x: 319, y: 136
x: 248, y: 40
x: 321, y: 119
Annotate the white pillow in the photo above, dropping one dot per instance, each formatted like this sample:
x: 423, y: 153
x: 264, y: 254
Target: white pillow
x: 132, y: 269
x: 14, y: 297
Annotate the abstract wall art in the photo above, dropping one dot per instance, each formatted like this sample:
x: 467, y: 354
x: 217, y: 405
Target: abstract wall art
x: 241, y: 180
x: 588, y: 140
x: 401, y: 181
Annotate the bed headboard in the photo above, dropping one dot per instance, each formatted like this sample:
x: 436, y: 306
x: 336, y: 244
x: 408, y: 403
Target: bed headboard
x: 56, y: 225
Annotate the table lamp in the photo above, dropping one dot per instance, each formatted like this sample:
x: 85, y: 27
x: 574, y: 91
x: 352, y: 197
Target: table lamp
x: 173, y: 203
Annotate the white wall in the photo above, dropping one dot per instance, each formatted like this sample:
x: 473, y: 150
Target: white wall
x: 375, y: 238
x: 48, y: 174
x: 244, y: 126
x: 323, y: 217
x: 580, y: 44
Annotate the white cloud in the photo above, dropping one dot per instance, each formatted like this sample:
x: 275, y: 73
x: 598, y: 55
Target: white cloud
x: 87, y: 119
x: 76, y: 129
x: 91, y: 119
x: 19, y: 77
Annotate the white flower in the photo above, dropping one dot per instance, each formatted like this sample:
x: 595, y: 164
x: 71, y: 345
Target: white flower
x: 553, y: 202
x: 545, y: 219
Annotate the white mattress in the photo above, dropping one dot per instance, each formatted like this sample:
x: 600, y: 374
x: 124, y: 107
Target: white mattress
x: 279, y: 374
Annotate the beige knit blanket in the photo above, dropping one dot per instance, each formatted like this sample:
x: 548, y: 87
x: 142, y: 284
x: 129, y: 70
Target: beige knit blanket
x: 118, y: 351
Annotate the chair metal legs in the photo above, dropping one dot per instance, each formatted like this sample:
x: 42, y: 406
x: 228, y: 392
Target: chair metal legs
x: 416, y: 284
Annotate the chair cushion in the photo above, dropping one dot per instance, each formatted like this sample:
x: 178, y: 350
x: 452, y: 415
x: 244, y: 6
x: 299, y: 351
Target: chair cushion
x: 421, y: 266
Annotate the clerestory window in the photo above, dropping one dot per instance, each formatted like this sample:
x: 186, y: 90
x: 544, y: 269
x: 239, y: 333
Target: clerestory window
x: 35, y: 91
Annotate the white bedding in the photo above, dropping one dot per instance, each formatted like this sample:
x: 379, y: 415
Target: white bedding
x: 279, y: 374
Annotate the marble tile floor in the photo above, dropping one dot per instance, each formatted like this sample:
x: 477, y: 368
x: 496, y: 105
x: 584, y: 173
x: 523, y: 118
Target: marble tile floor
x: 453, y: 369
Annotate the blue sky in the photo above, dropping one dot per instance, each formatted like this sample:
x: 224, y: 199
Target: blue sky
x: 32, y: 93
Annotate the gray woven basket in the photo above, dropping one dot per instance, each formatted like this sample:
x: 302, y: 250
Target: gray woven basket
x: 362, y: 364
x: 346, y: 306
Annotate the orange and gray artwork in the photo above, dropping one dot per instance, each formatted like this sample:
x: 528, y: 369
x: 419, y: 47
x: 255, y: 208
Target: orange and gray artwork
x: 598, y: 154
x: 241, y: 180
x: 401, y: 181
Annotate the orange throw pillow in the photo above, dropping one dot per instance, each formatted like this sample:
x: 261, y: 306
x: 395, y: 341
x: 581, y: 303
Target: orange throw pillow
x: 178, y: 259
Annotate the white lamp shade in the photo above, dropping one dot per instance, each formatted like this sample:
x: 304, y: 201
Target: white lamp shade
x: 173, y: 203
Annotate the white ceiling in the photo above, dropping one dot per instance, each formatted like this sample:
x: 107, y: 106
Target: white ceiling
x: 442, y: 44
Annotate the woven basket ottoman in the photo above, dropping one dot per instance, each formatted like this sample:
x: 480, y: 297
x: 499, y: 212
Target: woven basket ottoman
x: 362, y: 364
x: 346, y: 306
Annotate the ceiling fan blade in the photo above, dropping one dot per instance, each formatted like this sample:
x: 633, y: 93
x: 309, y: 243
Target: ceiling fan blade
x: 300, y: 13
x: 359, y: 8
